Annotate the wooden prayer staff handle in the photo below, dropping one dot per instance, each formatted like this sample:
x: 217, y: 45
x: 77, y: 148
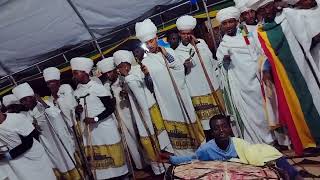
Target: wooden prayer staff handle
x: 79, y: 141
x: 89, y: 137
x: 123, y: 140
x: 215, y: 96
x: 180, y: 100
x: 45, y: 105
x: 153, y: 143
x: 155, y: 98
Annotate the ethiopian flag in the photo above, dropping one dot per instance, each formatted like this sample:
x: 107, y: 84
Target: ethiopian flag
x: 297, y: 111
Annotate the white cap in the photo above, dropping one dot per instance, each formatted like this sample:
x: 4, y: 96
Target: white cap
x: 123, y: 56
x: 145, y: 30
x: 10, y: 99
x: 81, y: 64
x: 186, y: 22
x: 22, y: 90
x: 228, y: 13
x: 292, y: 2
x: 51, y: 73
x: 106, y: 65
x: 256, y: 4
x: 242, y: 5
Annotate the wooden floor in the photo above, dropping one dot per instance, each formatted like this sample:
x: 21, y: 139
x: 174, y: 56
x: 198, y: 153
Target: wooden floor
x: 309, y: 164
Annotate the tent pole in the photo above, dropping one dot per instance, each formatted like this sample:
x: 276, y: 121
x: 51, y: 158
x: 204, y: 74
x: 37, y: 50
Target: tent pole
x: 210, y: 24
x: 87, y: 27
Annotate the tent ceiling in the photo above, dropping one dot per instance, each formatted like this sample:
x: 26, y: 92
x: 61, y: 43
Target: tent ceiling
x: 30, y: 28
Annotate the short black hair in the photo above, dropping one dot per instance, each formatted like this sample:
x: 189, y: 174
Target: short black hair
x: 216, y: 117
x: 173, y: 31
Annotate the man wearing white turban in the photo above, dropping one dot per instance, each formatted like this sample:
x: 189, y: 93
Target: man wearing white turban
x: 101, y: 137
x: 239, y: 61
x: 149, y: 122
x: 202, y: 98
x: 6, y: 172
x: 50, y: 123
x: 305, y: 24
x: 61, y: 94
x: 248, y: 18
x: 110, y: 78
x: 22, y: 157
x: 170, y: 91
x: 12, y: 104
x: 249, y: 27
x: 63, y: 99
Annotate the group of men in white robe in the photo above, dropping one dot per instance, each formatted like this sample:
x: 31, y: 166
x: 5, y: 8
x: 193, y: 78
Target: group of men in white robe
x: 139, y: 110
x: 243, y: 75
x: 52, y: 130
x: 106, y: 127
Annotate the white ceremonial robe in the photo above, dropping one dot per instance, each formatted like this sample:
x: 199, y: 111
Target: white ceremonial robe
x: 66, y: 103
x: 96, y: 79
x: 6, y: 172
x: 4, y: 168
x: 142, y: 100
x: 305, y: 24
x: 197, y: 83
x: 245, y: 87
x: 180, y: 131
x: 33, y: 164
x: 123, y: 107
x: 109, y: 158
x: 54, y: 148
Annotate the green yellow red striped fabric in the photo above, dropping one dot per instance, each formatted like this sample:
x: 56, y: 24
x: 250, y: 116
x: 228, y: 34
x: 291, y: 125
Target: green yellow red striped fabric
x: 296, y: 109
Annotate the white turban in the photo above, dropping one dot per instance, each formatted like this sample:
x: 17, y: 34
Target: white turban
x: 106, y: 65
x: 145, y: 30
x: 10, y: 99
x: 242, y: 5
x: 22, y: 90
x: 186, y: 22
x: 123, y: 56
x: 51, y: 73
x: 228, y: 13
x: 292, y: 2
x: 256, y: 4
x: 81, y: 64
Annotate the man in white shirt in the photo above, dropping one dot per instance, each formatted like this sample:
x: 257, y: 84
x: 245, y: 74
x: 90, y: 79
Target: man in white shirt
x: 55, y: 136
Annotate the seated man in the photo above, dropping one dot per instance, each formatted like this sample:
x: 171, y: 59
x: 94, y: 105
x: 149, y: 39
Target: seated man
x: 224, y: 148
